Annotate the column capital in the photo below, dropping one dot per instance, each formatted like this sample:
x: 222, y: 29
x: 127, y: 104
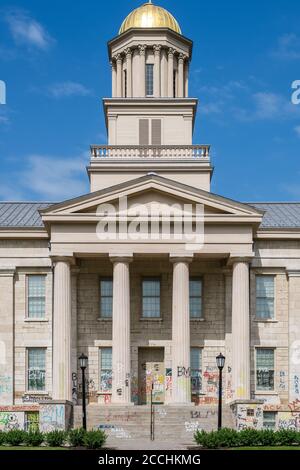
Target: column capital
x: 157, y: 48
x: 128, y: 52
x: 182, y: 57
x: 293, y: 273
x: 239, y: 259
x: 7, y: 272
x: 121, y: 258
x: 142, y: 48
x: 118, y: 58
x: 65, y: 259
x: 171, y: 51
x: 178, y: 258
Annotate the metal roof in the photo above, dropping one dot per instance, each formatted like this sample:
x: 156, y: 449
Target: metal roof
x: 26, y: 214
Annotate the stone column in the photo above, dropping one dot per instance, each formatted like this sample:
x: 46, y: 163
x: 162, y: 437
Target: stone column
x: 121, y: 381
x: 240, y: 330
x: 157, y: 50
x: 7, y: 336
x: 142, y: 49
x: 294, y: 335
x: 181, y: 76
x: 114, y: 78
x: 74, y: 332
x: 119, y: 75
x: 128, y: 53
x: 181, y: 371
x: 171, y: 53
x: 62, y: 371
x: 186, y: 73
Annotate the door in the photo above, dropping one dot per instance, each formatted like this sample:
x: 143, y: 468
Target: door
x: 151, y: 371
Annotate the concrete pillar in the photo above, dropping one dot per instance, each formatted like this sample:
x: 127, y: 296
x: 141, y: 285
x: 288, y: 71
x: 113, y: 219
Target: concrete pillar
x: 186, y: 72
x: 181, y: 371
x: 121, y: 379
x: 128, y: 53
x: 114, y: 78
x: 294, y: 335
x: 74, y: 333
x: 171, y: 53
x: 119, y: 75
x: 7, y: 336
x: 62, y: 370
x: 240, y: 330
x: 181, y: 76
x: 157, y: 50
x: 164, y: 74
x: 142, y: 49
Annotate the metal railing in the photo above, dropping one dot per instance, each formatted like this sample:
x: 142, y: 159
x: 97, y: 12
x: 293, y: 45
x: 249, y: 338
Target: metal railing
x: 151, y: 151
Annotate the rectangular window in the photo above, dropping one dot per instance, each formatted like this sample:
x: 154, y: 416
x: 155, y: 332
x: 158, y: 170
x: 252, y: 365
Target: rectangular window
x: 36, y: 369
x: 31, y: 421
x: 265, y: 297
x: 151, y: 298
x: 105, y: 361
x: 196, y: 370
x: 265, y: 369
x: 36, y: 296
x: 144, y: 131
x: 156, y: 132
x: 106, y: 298
x: 149, y: 79
x: 196, y: 298
x: 269, y: 418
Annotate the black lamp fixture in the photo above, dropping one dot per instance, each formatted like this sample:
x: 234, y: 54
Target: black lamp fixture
x: 220, y: 359
x: 83, y: 362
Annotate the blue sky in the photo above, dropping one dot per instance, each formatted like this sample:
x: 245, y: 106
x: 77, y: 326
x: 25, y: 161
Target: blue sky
x: 53, y: 58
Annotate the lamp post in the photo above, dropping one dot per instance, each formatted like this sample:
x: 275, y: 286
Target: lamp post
x: 220, y: 359
x: 83, y: 360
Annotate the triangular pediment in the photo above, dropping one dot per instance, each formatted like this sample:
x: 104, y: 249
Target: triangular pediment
x: 152, y: 190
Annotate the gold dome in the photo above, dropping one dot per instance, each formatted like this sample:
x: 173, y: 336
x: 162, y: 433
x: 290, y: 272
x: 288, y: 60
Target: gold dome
x: 150, y: 16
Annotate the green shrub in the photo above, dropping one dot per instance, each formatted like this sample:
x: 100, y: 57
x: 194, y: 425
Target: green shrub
x: 286, y: 437
x: 55, y: 438
x: 15, y: 437
x: 76, y: 437
x: 94, y: 439
x: 228, y: 437
x: 2, y: 438
x: 267, y: 437
x: 249, y: 437
x: 34, y: 438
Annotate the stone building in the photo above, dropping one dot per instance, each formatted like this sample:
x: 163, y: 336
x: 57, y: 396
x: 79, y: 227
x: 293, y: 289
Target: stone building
x: 149, y: 309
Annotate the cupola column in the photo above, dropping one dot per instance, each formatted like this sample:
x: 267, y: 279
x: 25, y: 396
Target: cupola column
x: 171, y: 53
x: 181, y: 76
x: 114, y: 78
x: 142, y: 49
x: 186, y: 70
x: 128, y: 53
x: 119, y: 75
x: 157, y: 50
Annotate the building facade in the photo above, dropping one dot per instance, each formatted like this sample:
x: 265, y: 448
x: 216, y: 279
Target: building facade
x: 150, y: 309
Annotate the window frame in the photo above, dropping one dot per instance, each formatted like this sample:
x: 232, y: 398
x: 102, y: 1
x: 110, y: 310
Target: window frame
x: 27, y: 316
x: 201, y: 279
x: 100, y: 389
x: 261, y: 319
x: 275, y: 413
x: 29, y: 391
x: 102, y: 317
x: 200, y: 391
x: 152, y: 318
x: 147, y: 67
x: 265, y: 391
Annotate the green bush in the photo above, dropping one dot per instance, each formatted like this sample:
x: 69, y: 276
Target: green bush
x: 94, y: 439
x: 55, y: 438
x: 76, y: 437
x: 267, y: 437
x: 15, y: 437
x: 2, y: 438
x: 249, y: 437
x: 34, y: 438
x: 286, y: 437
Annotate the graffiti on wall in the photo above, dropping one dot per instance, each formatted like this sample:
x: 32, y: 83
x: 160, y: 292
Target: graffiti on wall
x: 248, y: 416
x: 290, y: 421
x: 90, y: 387
x: 282, y: 380
x: 10, y: 420
x: 116, y: 431
x: 52, y: 417
x: 5, y: 387
x: 296, y: 386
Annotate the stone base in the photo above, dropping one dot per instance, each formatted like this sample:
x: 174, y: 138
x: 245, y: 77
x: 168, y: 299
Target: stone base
x: 56, y: 415
x: 248, y: 414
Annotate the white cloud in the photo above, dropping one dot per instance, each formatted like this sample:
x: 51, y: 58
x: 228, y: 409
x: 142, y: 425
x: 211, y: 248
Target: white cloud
x: 66, y: 89
x: 26, y: 31
x: 47, y: 178
x: 288, y: 47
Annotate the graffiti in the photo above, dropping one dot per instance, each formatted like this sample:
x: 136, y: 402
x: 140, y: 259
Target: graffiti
x: 105, y: 381
x: 282, y: 380
x: 52, y: 417
x: 206, y: 401
x: 211, y: 378
x: 192, y: 426
x: 115, y: 431
x: 5, y: 385
x: 161, y: 412
x: 248, y: 416
x: 90, y: 387
x: 288, y: 422
x: 295, y: 406
x: 296, y: 385
x: 203, y: 414
x: 10, y: 421
x: 183, y: 372
x: 128, y: 416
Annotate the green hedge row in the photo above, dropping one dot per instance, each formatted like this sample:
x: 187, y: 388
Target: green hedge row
x: 246, y: 438
x: 73, y: 438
